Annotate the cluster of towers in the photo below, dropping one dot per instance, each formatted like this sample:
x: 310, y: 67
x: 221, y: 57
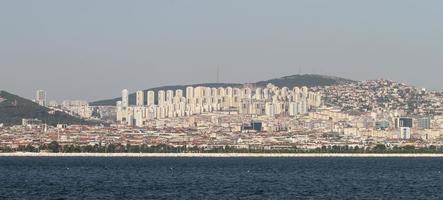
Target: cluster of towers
x: 270, y: 101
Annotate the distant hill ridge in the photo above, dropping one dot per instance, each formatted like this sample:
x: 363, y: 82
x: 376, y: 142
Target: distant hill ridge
x: 14, y: 108
x: 309, y: 80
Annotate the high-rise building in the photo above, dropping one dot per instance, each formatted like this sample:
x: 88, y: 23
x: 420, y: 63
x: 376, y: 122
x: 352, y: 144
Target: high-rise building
x: 140, y: 98
x: 207, y: 92
x: 266, y: 93
x: 198, y: 92
x: 189, y: 93
x: 271, y: 101
x: 151, y: 98
x: 125, y: 98
x: 229, y: 91
x: 214, y: 92
x: 161, y: 98
x: 284, y: 91
x: 40, y: 97
x: 179, y: 93
x: 221, y: 92
x: 258, y: 93
x: 169, y: 96
x: 304, y: 91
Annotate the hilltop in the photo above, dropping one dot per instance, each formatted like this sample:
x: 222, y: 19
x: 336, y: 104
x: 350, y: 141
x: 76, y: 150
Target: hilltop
x: 309, y: 80
x: 14, y: 108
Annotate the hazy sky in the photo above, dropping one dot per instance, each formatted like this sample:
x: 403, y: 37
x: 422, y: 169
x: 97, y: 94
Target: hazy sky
x: 92, y: 49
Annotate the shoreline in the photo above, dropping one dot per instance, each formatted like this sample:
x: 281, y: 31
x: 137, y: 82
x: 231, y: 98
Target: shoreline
x: 223, y: 155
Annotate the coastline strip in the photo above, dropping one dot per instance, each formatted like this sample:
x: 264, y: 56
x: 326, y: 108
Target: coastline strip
x: 218, y: 155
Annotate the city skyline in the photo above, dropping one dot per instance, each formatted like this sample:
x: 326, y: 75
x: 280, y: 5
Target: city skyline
x: 47, y: 45
x: 357, y: 117
x: 49, y: 98
x: 221, y: 99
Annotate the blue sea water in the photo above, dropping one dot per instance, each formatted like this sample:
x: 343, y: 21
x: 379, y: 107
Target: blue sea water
x: 220, y: 178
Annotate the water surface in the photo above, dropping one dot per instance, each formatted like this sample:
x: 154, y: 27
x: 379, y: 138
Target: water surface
x: 220, y: 178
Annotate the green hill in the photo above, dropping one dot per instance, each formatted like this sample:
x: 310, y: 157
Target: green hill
x: 309, y: 80
x: 14, y: 108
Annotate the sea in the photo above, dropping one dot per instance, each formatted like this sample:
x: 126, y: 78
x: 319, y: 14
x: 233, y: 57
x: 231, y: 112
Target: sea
x: 220, y: 178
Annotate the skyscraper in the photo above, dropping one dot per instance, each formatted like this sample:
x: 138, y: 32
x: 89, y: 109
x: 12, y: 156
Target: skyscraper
x: 125, y: 98
x: 169, y: 96
x: 161, y: 98
x: 189, y: 93
x: 269, y: 101
x: 40, y: 97
x: 151, y: 98
x: 304, y: 91
x: 179, y: 93
x: 140, y: 98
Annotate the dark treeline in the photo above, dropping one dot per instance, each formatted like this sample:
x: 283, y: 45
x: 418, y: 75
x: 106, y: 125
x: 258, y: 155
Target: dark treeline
x: 55, y: 147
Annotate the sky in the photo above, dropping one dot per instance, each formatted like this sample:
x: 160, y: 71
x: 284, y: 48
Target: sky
x: 92, y: 49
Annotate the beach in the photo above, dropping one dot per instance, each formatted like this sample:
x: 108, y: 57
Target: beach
x: 216, y: 155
